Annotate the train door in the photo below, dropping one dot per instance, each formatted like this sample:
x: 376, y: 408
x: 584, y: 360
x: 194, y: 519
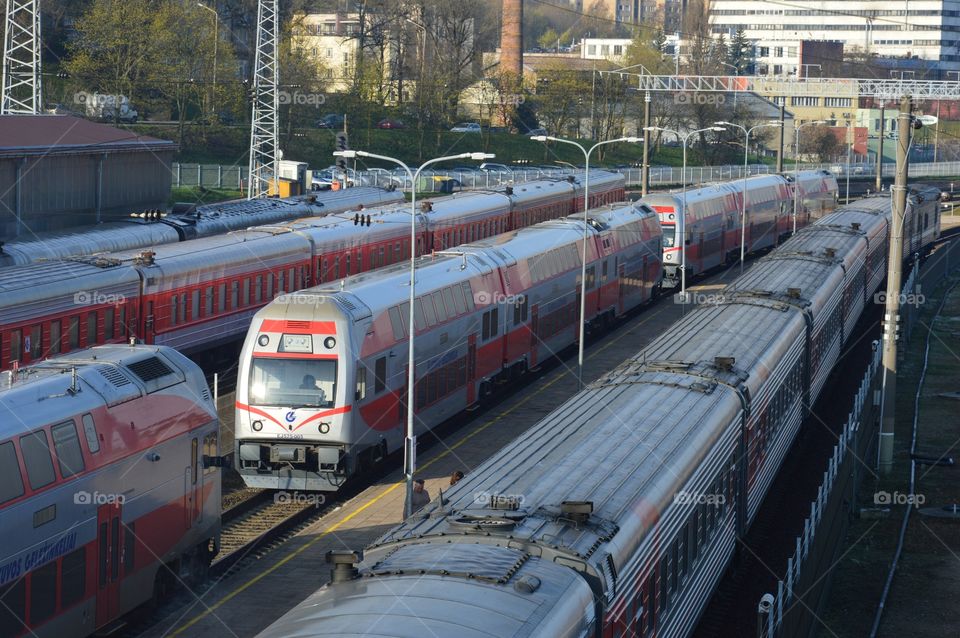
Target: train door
x: 109, y: 535
x: 197, y: 479
x: 471, y: 369
x: 621, y: 283
x: 191, y: 486
x: 534, y: 326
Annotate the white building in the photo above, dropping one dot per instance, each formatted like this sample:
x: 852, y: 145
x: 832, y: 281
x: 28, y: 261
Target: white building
x: 924, y: 29
x: 612, y: 49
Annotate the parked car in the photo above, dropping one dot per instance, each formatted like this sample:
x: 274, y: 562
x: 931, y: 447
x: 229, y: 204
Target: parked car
x: 323, y: 180
x: 495, y: 168
x: 390, y: 123
x: 466, y: 127
x: 536, y: 131
x: 330, y: 120
x: 60, y: 109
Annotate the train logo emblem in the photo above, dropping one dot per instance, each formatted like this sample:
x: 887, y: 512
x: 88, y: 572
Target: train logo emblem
x: 291, y: 416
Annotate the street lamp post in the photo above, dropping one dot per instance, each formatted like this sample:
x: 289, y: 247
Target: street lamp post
x: 216, y: 39
x: 796, y: 166
x: 681, y: 232
x: 409, y: 458
x: 586, y: 207
x: 746, y: 157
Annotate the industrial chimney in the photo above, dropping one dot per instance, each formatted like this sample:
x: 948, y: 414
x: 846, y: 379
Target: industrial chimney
x: 511, y: 38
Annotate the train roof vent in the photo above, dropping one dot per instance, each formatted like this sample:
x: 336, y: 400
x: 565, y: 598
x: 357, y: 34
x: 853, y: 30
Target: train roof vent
x: 577, y: 511
x: 113, y: 375
x: 149, y: 369
x: 346, y: 302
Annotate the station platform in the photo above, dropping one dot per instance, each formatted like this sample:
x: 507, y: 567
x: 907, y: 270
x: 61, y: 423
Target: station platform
x: 246, y: 601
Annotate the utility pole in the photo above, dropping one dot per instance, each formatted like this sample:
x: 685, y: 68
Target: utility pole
x: 883, y: 116
x: 21, y: 81
x: 263, y: 130
x: 891, y: 314
x: 645, y: 169
x: 780, y: 145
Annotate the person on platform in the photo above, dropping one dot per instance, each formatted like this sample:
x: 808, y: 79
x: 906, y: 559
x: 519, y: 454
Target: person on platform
x: 455, y: 477
x: 420, y: 496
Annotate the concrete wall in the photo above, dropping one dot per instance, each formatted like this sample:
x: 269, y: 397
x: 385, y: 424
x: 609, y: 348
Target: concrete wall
x: 59, y: 191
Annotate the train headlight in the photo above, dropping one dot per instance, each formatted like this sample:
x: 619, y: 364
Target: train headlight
x: 257, y: 426
x: 329, y: 343
x: 324, y: 428
x: 263, y: 340
x: 671, y: 216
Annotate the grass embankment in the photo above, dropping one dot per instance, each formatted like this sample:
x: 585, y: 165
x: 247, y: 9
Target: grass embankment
x: 201, y: 195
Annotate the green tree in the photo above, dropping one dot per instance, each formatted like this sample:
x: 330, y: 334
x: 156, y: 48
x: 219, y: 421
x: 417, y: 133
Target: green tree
x: 740, y: 53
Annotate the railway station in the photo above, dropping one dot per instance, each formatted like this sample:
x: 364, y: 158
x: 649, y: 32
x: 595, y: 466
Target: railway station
x: 565, y: 320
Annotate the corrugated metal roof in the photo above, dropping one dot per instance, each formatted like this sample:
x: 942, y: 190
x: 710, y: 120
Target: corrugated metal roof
x: 29, y: 134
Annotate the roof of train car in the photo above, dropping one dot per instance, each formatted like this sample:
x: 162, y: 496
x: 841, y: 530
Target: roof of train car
x: 710, y: 191
x: 104, y: 371
x: 107, y: 237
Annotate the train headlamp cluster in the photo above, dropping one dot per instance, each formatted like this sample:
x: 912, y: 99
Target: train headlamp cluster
x: 257, y: 426
x: 324, y: 428
x: 263, y: 340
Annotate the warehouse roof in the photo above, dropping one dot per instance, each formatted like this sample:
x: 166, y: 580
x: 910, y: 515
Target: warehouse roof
x: 58, y: 134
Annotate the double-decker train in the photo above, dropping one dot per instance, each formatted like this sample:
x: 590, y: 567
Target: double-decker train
x: 151, y: 228
x: 713, y: 232
x: 196, y: 294
x: 321, y: 383
x: 107, y: 493
x: 617, y: 513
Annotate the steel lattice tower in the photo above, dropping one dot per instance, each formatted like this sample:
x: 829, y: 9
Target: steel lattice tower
x: 21, y: 58
x: 263, y: 131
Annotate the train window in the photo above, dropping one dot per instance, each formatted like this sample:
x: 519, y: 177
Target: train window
x: 11, y: 484
x: 361, y: 392
x: 280, y: 281
x: 404, y: 309
x: 13, y: 603
x: 174, y: 301
x: 396, y: 323
x: 73, y: 577
x: 346, y: 265
x: 437, y: 298
x: 429, y: 310
x: 494, y: 322
x: 517, y: 314
x: 91, y: 328
x: 67, y: 445
x: 449, y: 303
x: 603, y: 272
x: 129, y: 547
x: 380, y: 257
x: 235, y: 293
x: 208, y: 301
x: 43, y: 593
x: 193, y: 461
x: 290, y: 280
x: 182, y: 314
x: 420, y: 322
x: 458, y: 302
x: 123, y: 319
x: 34, y: 344
x: 431, y: 387
x: 299, y: 277
x: 336, y: 267
x: 102, y: 556
x: 210, y: 449
x: 195, y: 304
x: 485, y: 331
x: 90, y: 434
x: 246, y: 291
x: 421, y: 393
x: 36, y: 458
x: 360, y: 261
x: 16, y: 351
x: 269, y: 286
x: 591, y: 277
x: 468, y: 296
x: 258, y: 289
x: 73, y: 333
x: 380, y: 375
x: 109, y: 317
x: 55, y: 336
x: 222, y: 297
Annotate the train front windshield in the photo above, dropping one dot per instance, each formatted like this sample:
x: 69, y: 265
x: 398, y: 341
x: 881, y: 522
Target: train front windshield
x: 669, y: 234
x: 295, y: 383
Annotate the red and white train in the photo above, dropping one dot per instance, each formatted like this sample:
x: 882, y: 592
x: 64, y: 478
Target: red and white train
x: 107, y: 492
x: 196, y: 294
x: 713, y: 228
x: 321, y: 384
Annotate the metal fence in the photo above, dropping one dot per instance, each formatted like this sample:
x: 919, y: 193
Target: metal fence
x: 231, y: 177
